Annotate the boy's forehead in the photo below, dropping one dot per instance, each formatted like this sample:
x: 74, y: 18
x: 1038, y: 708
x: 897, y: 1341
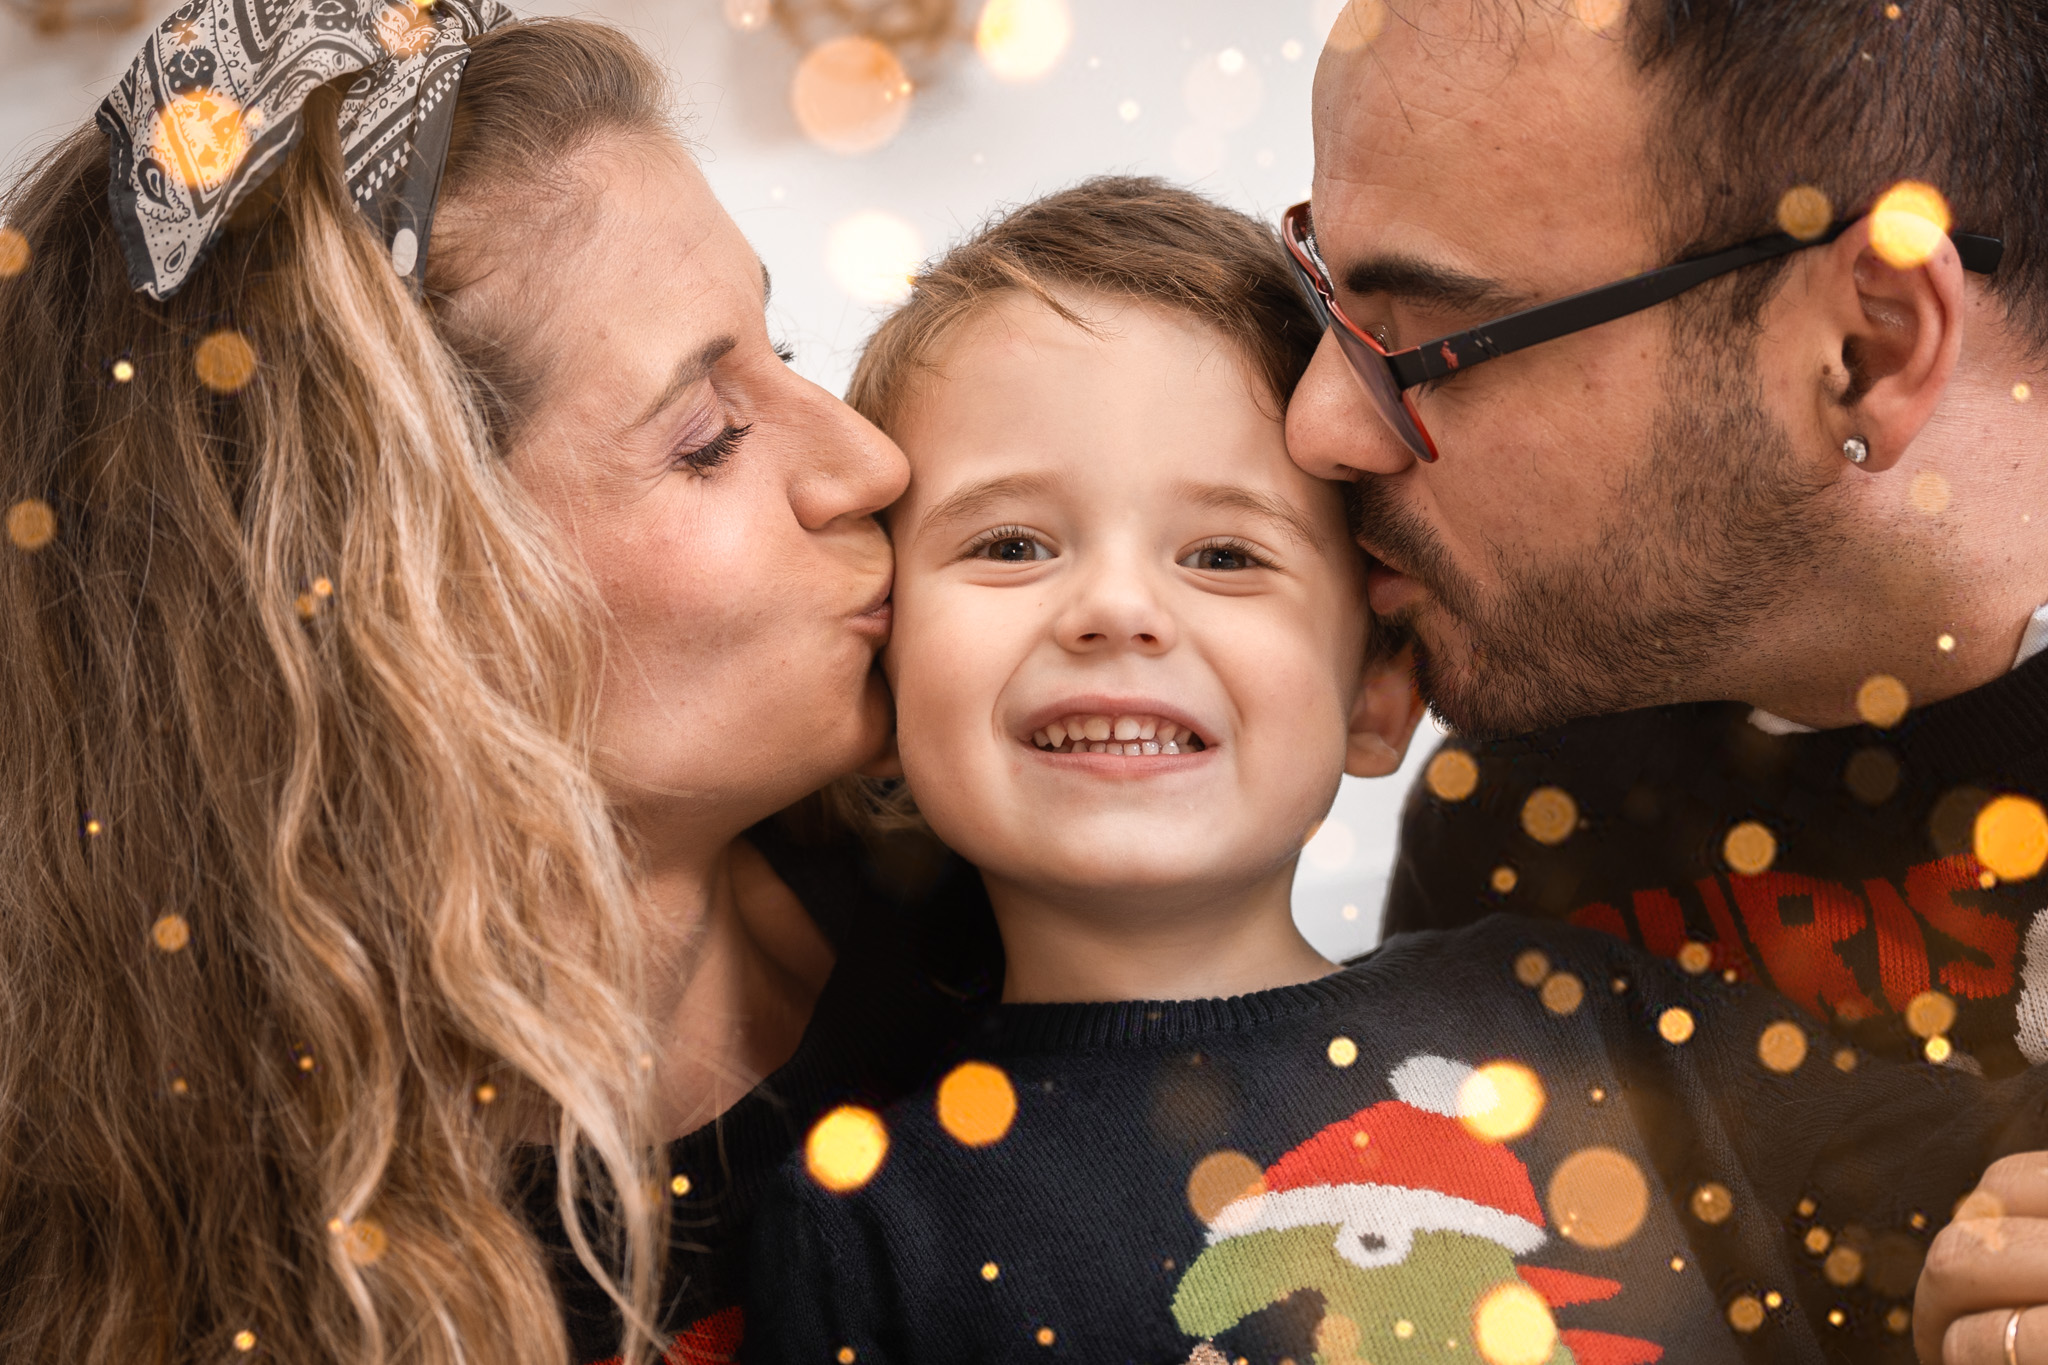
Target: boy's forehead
x: 1142, y: 401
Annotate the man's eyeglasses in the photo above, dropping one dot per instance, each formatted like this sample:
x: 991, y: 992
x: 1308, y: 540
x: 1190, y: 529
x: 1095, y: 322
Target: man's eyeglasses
x: 1387, y: 376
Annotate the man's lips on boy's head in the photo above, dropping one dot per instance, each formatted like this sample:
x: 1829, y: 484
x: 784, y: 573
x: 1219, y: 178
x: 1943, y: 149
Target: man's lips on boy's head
x: 1118, y: 727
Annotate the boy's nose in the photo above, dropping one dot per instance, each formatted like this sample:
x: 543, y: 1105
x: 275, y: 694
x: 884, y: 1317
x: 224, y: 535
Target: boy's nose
x: 1116, y: 613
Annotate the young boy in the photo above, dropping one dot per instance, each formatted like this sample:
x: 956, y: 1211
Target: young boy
x: 1131, y: 661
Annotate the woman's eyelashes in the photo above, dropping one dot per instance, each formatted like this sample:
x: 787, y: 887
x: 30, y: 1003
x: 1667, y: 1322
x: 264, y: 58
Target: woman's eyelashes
x: 784, y: 352
x: 1009, y: 545
x: 714, y: 452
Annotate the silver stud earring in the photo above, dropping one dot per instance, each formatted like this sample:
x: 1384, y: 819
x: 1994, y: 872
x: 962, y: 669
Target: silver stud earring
x: 1855, y: 450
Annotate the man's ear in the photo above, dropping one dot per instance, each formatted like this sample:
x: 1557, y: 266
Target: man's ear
x: 1900, y: 333
x: 1384, y: 717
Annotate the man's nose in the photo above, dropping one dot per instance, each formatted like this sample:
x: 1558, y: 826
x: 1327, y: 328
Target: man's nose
x: 1333, y: 431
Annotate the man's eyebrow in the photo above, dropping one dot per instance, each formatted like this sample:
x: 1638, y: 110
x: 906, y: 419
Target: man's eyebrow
x: 1436, y: 286
x: 1231, y: 498
x: 688, y: 375
x: 978, y: 497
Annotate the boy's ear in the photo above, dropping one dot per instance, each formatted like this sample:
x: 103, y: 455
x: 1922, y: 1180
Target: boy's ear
x: 1384, y: 717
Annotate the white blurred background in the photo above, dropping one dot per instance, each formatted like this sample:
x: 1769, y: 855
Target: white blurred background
x: 891, y: 162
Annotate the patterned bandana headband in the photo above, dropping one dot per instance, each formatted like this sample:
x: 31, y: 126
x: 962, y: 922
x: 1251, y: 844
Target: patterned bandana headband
x: 213, y: 105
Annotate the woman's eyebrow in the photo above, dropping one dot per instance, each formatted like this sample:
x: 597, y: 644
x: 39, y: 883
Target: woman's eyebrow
x: 977, y: 497
x: 1223, y: 497
x: 688, y: 374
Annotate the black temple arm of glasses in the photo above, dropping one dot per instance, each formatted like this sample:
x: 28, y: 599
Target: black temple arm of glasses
x: 1545, y: 322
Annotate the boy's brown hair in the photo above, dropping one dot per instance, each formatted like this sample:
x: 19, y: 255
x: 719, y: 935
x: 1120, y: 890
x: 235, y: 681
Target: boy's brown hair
x: 1132, y: 237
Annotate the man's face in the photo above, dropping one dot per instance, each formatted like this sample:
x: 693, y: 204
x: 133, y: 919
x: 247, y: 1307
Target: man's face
x: 1613, y: 512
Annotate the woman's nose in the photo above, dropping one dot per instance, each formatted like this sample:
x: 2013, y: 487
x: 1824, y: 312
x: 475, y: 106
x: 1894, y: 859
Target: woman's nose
x: 1332, y: 430
x: 851, y: 469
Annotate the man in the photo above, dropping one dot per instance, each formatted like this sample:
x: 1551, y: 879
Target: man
x: 1802, y: 475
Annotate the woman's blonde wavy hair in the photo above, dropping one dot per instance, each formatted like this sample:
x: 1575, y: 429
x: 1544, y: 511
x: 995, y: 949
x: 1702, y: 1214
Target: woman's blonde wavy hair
x: 309, y: 903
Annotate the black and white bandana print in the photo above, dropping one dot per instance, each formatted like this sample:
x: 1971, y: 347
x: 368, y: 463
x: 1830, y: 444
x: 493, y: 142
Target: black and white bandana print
x: 212, y: 106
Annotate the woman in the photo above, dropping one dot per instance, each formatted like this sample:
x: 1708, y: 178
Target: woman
x: 389, y: 686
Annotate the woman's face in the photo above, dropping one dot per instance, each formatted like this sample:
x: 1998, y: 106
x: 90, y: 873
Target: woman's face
x: 723, y: 505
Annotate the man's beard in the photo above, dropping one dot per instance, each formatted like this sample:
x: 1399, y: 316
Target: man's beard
x: 1712, y: 532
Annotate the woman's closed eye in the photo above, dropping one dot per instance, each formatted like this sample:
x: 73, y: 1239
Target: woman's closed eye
x: 1223, y: 556
x: 714, y: 452
x: 1009, y: 545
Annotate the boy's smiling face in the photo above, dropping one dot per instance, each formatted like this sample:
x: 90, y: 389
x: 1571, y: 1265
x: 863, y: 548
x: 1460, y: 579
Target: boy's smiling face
x: 1104, y: 533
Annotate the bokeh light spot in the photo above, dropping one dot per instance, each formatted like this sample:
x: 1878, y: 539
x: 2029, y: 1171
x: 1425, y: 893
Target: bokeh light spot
x: 679, y: 1185
x: 200, y: 138
x: 1782, y: 1046
x: 1342, y: 1051
x: 1818, y: 1240
x: 1128, y: 110
x: 748, y: 15
x: 1843, y: 1267
x: 1044, y: 1336
x: 1945, y: 642
x: 1563, y: 993
x: 1845, y: 1059
x: 1503, y: 879
x: 14, y: 252
x: 1882, y: 701
x: 245, y: 1340
x: 847, y: 1355
x: 31, y: 524
x: 1500, y: 1101
x: 1929, y: 492
x: 1550, y: 815
x: 1675, y: 1025
x: 1909, y: 224
x: 1598, y: 1198
x: 1221, y: 1178
x: 170, y: 933
x: 486, y: 1093
x: 364, y: 1242
x: 2021, y: 391
x: 990, y: 1270
x: 1358, y: 23
x: 1512, y: 1326
x: 850, y: 95
x: 1452, y: 775
x: 1937, y: 1049
x: 224, y: 361
x: 122, y: 370
x: 1929, y: 1013
x: 1745, y: 1313
x: 873, y: 255
x: 977, y: 1104
x: 1872, y: 775
x: 1899, y: 1319
x: 1599, y: 15
x: 1711, y: 1203
x: 1695, y: 957
x: 1531, y: 967
x: 2011, y: 837
x: 1022, y: 40
x: 845, y: 1148
x: 1223, y: 92
x: 1804, y: 212
x: 1750, y: 848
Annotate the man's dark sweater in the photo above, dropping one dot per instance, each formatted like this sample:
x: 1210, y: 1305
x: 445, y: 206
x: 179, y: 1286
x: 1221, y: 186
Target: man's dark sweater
x: 1313, y: 1172
x: 1874, y: 896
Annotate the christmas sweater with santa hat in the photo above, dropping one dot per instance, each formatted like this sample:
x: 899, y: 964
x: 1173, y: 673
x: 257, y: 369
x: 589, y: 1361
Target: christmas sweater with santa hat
x: 1514, y: 1144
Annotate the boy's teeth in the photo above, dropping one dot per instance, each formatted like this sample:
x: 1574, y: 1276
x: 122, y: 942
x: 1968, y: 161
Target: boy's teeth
x: 1123, y: 736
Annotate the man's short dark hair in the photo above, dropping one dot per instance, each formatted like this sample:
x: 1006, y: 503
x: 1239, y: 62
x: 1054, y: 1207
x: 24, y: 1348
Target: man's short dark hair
x: 1851, y: 96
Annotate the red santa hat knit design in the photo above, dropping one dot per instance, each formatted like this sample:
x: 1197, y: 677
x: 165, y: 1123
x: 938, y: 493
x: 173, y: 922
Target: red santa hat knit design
x: 1390, y: 1171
